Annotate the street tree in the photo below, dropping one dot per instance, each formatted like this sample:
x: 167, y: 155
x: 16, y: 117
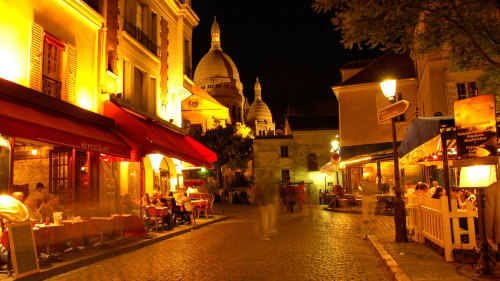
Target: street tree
x: 468, y: 31
x: 231, y: 143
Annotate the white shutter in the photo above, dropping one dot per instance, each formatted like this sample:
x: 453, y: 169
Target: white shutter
x: 71, y: 97
x: 451, y: 95
x: 36, y: 56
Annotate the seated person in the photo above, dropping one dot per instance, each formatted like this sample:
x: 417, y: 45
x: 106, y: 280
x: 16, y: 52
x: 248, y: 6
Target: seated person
x: 438, y: 192
x: 53, y: 205
x: 33, y: 213
x: 188, y: 207
x: 128, y: 205
x: 38, y: 195
x: 171, y: 199
x: 18, y: 195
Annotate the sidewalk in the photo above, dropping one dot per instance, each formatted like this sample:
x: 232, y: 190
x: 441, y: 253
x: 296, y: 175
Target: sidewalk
x: 77, y: 259
x: 412, y: 260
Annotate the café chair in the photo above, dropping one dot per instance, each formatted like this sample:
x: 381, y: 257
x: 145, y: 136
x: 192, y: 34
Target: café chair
x: 153, y: 217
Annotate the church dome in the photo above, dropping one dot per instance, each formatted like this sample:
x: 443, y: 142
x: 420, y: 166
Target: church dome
x: 216, y: 63
x: 259, y: 111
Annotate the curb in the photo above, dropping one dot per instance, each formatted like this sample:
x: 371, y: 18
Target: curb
x: 85, y: 261
x: 337, y: 210
x: 391, y: 267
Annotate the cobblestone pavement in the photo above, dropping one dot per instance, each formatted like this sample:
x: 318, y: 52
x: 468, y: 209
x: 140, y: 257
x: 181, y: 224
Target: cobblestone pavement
x: 312, y: 245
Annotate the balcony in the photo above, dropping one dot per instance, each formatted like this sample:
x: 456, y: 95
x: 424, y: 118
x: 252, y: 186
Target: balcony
x: 140, y: 36
x: 51, y: 87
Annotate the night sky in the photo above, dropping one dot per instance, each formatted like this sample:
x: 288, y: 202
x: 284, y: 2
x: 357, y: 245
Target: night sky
x: 295, y: 52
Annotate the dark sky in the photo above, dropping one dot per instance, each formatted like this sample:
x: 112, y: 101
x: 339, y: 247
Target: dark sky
x: 295, y: 52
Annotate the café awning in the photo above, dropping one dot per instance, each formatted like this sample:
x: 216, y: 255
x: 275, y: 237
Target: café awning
x: 423, y: 130
x: 29, y: 114
x: 328, y: 168
x: 154, y: 136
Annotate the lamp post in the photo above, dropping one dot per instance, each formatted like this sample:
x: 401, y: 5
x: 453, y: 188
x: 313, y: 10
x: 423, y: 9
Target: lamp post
x: 324, y: 176
x: 389, y: 90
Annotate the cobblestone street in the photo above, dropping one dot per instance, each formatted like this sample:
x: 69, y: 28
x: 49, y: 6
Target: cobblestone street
x: 312, y: 245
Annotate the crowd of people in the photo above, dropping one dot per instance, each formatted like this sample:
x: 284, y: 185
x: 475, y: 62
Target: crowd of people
x: 435, y: 191
x: 180, y: 210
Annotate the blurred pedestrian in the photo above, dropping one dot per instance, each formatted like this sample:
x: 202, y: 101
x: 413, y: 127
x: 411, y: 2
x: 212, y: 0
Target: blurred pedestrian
x: 300, y: 195
x: 320, y: 194
x: 291, y: 195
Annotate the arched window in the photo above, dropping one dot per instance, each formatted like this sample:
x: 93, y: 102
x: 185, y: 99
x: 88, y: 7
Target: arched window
x: 312, y: 162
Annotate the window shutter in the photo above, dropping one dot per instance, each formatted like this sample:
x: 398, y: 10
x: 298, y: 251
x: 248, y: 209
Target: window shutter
x: 36, y: 53
x: 71, y: 97
x: 451, y: 95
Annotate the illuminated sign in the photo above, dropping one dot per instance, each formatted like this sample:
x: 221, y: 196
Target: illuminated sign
x: 94, y: 147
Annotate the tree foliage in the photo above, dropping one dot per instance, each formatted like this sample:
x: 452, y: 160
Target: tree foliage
x: 468, y: 31
x: 232, y: 146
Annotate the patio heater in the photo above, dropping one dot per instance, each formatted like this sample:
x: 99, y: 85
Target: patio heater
x: 389, y: 90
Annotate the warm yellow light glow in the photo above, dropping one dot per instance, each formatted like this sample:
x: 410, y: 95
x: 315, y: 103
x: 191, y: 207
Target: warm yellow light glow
x: 4, y: 142
x: 34, y: 151
x: 389, y: 88
x: 9, y: 69
x: 155, y: 161
x: 203, y: 169
x: 84, y: 102
x: 335, y: 146
x: 323, y: 174
x: 343, y: 163
x: 242, y: 130
x: 477, y: 176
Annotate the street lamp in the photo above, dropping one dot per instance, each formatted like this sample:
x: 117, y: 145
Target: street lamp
x: 389, y: 90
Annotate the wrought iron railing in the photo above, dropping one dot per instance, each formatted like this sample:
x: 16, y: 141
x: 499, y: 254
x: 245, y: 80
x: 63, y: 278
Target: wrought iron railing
x: 140, y: 36
x: 51, y: 87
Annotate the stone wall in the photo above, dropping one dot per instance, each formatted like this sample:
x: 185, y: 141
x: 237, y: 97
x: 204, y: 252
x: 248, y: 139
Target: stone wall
x: 32, y: 171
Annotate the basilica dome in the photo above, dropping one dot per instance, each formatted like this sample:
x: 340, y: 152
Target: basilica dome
x: 259, y: 111
x: 216, y: 63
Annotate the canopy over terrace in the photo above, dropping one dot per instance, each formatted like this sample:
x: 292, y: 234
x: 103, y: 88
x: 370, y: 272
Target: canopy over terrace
x: 152, y: 136
x: 28, y: 114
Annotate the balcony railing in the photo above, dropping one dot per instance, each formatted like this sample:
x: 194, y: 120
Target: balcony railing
x: 140, y: 36
x: 51, y: 87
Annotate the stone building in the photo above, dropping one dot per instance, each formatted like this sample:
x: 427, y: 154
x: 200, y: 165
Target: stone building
x: 299, y: 154
x: 217, y: 74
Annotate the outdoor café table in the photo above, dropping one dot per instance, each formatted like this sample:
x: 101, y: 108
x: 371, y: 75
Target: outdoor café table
x: 47, y: 236
x: 200, y: 204
x: 101, y: 226
x: 124, y: 222
x: 75, y: 231
x: 162, y: 212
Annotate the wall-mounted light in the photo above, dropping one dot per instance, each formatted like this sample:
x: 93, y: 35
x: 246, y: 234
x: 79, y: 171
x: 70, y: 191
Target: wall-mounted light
x: 34, y: 151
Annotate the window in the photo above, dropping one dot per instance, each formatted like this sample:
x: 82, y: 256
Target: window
x: 152, y: 96
x: 52, y: 65
x: 209, y: 86
x: 217, y: 85
x: 466, y: 90
x: 126, y: 78
x: 400, y: 118
x: 226, y: 85
x: 312, y: 162
x: 187, y: 59
x: 138, y: 15
x: 284, y: 151
x: 138, y: 88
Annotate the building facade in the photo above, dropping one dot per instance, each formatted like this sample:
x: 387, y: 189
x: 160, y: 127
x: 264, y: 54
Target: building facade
x: 298, y: 155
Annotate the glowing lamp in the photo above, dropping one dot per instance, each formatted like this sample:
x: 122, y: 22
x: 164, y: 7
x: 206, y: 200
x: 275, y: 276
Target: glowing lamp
x: 335, y: 145
x: 34, y: 151
x: 203, y: 169
x: 388, y: 88
x: 155, y: 161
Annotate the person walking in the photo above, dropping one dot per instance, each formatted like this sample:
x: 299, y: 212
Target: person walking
x: 292, y: 197
x: 300, y: 194
x: 320, y: 194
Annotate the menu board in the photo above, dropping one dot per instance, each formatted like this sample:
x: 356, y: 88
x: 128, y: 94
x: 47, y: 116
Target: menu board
x: 475, y: 121
x: 23, y: 250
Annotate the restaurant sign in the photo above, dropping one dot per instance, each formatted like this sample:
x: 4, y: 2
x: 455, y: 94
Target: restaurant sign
x: 476, y: 127
x: 95, y: 147
x: 392, y: 110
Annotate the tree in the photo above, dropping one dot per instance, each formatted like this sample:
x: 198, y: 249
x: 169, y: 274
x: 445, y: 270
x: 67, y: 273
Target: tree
x: 469, y: 31
x: 231, y: 143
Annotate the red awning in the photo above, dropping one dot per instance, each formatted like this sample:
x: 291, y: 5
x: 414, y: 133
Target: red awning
x: 20, y: 118
x: 150, y: 136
